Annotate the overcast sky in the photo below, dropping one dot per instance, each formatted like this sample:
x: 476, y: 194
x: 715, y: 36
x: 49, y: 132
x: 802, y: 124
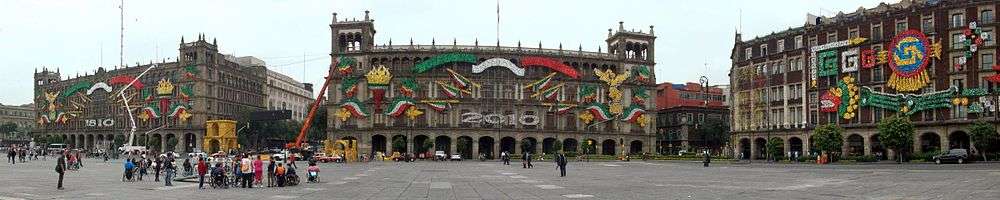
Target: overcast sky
x: 294, y: 36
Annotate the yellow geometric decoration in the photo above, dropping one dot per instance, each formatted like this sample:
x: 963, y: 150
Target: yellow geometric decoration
x: 413, y: 113
x: 164, y: 87
x: 613, y: 80
x: 379, y: 76
x: 343, y: 114
x: 586, y: 117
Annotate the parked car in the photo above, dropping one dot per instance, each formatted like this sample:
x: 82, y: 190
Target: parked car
x: 456, y: 157
x: 323, y: 158
x: 957, y: 155
x: 440, y: 155
x: 278, y: 156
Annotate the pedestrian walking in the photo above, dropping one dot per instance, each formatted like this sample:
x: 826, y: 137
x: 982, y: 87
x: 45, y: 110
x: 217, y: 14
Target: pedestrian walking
x: 10, y: 156
x: 526, y: 160
x: 169, y: 170
x: 202, y: 169
x: 561, y: 164
x: 708, y: 158
x: 505, y: 157
x: 187, y: 167
x: 270, y: 174
x: 157, y: 166
x: 61, y: 169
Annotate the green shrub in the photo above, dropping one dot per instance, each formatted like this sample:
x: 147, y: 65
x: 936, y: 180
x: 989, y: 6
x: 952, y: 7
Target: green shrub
x: 868, y: 158
x: 924, y: 156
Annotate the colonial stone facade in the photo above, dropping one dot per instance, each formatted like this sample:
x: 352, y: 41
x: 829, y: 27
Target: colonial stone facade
x: 909, y: 58
x: 472, y: 99
x: 172, y: 100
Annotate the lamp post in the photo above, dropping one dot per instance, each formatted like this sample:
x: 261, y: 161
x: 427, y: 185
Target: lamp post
x: 704, y: 98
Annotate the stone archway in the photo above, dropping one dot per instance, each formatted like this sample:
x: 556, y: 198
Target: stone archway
x: 745, y: 148
x: 795, y: 145
x: 569, y: 145
x: 855, y: 145
x: 635, y: 147
x: 929, y: 142
x: 530, y: 145
x: 592, y: 146
x: 443, y: 143
x: 761, y: 147
x: 486, y: 146
x: 463, y: 146
x: 214, y: 145
x: 876, y: 146
x: 378, y: 143
x: 958, y: 140
x: 418, y: 144
x: 190, y: 142
x: 608, y: 147
x: 507, y: 145
x: 548, y: 146
x: 399, y: 144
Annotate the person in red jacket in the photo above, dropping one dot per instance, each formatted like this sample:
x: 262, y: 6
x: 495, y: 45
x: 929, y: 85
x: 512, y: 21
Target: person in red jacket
x: 202, y: 169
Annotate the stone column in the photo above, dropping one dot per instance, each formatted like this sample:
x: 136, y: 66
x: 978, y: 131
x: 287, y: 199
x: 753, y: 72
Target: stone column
x: 753, y: 148
x: 452, y: 146
x: 788, y: 148
x: 599, y: 147
x: 475, y: 149
x: 868, y: 146
x: 916, y: 143
x: 945, y: 143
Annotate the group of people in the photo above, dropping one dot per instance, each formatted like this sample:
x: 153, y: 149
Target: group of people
x: 23, y: 154
x: 246, y: 171
x: 526, y: 158
x: 138, y: 167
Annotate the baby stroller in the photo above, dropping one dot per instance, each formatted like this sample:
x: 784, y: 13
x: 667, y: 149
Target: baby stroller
x: 291, y: 179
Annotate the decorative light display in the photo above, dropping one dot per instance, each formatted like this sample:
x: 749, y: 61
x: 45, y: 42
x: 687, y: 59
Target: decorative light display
x: 828, y: 64
x: 815, y: 62
x: 500, y: 62
x: 972, y: 38
x: 541, y: 84
x: 460, y: 81
x: 639, y: 96
x: 849, y: 60
x: 439, y: 105
x: 552, y: 64
x: 450, y: 90
x: 561, y: 108
x: 349, y: 86
x: 409, y: 87
x: 587, y: 93
x: 378, y: 82
x: 842, y: 99
x: 191, y: 71
x: 595, y: 111
x: 642, y: 74
x: 613, y: 80
x: 351, y: 107
x: 125, y: 80
x: 99, y: 86
x: 436, y: 61
x: 549, y: 93
x: 633, y: 115
x: 909, y: 61
x: 345, y: 65
x: 996, y: 77
x: 908, y: 103
x: 399, y: 106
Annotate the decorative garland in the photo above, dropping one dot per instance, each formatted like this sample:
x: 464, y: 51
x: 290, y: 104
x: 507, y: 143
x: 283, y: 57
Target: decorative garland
x: 587, y: 93
x: 613, y: 80
x: 639, y: 96
x: 460, y: 81
x: 99, y: 85
x: 501, y: 62
x: 125, y: 80
x: 549, y: 93
x: 439, y: 105
x: 351, y: 107
x: 541, y: 84
x: 399, y: 106
x: 345, y: 65
x: 909, y: 103
x: 349, y: 86
x: 436, y: 61
x: 560, y: 108
x: 996, y: 77
x: 827, y: 63
x: 450, y: 90
x: 79, y: 86
x: 634, y: 114
x: 409, y: 87
x: 595, y: 111
x: 552, y: 64
x: 191, y: 71
x: 378, y: 82
x: 642, y: 74
x: 849, y: 60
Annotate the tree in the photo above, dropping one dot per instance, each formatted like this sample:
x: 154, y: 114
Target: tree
x: 828, y: 138
x: 527, y: 146
x: 119, y: 141
x: 55, y: 140
x: 586, y: 146
x: 463, y: 147
x: 317, y: 129
x: 776, y: 147
x: 428, y: 144
x: 8, y: 127
x: 171, y: 144
x: 714, y: 133
x: 399, y: 143
x: 983, y: 136
x: 556, y: 147
x: 41, y: 139
x: 896, y: 133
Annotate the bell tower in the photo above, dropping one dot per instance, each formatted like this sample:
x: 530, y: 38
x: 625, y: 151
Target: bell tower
x: 352, y: 35
x: 631, y: 45
x: 198, y: 52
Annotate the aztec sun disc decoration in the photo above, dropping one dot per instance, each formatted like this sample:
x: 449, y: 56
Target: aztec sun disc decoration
x: 909, y: 58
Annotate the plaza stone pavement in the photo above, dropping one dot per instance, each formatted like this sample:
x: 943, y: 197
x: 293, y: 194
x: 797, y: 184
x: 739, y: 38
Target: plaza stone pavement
x: 585, y: 180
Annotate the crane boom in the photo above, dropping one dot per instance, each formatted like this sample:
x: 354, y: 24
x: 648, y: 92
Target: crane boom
x: 312, y: 112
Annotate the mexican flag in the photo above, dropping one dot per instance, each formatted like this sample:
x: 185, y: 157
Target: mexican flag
x: 450, y: 90
x: 599, y: 111
x: 633, y: 113
x: 460, y: 81
x: 541, y: 84
x: 355, y: 107
x: 564, y: 108
x: 177, y: 109
x: 439, y: 106
x: 399, y: 106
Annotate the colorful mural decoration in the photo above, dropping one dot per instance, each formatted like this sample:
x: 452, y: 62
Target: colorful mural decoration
x: 436, y: 61
x: 378, y: 81
x: 52, y: 111
x: 909, y: 58
x: 163, y: 102
x: 498, y: 62
x: 345, y: 65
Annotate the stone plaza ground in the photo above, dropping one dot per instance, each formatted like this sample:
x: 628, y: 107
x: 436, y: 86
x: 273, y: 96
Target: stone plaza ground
x: 585, y: 180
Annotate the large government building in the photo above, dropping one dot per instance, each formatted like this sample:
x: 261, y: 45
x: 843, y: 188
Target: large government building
x: 933, y: 61
x: 486, y: 99
x: 171, y: 102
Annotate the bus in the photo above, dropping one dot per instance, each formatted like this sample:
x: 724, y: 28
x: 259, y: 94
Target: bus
x: 53, y: 148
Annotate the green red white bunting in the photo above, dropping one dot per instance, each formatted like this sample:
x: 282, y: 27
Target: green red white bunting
x: 399, y: 106
x: 460, y: 81
x: 349, y: 86
x: 450, y: 90
x: 549, y: 93
x: 641, y: 73
x: 344, y: 65
x: 633, y: 113
x: 177, y: 109
x: 563, y: 108
x: 587, y: 93
x: 354, y: 106
x: 409, y: 87
x: 599, y: 111
x: 541, y: 84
